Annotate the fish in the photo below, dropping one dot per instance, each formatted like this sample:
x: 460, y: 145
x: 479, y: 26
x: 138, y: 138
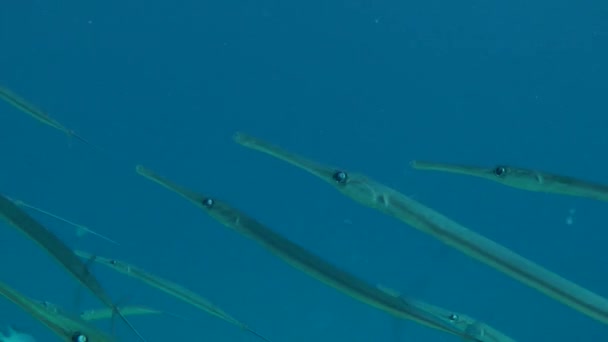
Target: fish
x: 524, y: 179
x: 19, y: 103
x: 131, y: 310
x: 106, y: 313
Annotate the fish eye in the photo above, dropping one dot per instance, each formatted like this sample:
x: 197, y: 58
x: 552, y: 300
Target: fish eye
x: 79, y: 337
x: 208, y: 203
x: 340, y: 177
x: 113, y: 262
x: 500, y: 171
x: 453, y: 317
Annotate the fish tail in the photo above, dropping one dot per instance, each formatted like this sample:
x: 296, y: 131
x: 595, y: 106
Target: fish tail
x: 124, y: 319
x: 75, y: 135
x: 262, y: 337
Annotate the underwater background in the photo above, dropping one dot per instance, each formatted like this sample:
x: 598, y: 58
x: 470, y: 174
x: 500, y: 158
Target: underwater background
x: 364, y: 85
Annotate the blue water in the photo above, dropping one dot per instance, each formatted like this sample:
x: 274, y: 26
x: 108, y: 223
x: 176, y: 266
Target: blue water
x: 363, y: 85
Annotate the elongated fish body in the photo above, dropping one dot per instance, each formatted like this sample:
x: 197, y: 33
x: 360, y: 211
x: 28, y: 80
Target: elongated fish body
x: 19, y: 103
x: 15, y: 336
x: 524, y: 179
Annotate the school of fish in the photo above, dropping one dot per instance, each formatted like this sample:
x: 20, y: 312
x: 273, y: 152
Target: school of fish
x: 360, y: 188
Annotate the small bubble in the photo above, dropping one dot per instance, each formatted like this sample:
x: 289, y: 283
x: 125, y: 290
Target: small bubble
x: 570, y: 217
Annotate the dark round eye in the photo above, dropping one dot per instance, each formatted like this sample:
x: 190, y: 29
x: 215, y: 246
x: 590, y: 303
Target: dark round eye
x: 453, y: 317
x: 113, y: 262
x: 340, y: 177
x: 208, y: 202
x: 500, y: 170
x: 79, y: 337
